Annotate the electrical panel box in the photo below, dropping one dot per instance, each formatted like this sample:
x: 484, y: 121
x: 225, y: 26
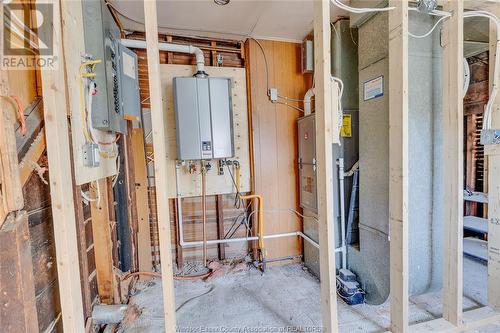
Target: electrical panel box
x: 130, y: 101
x: 307, y: 163
x: 102, y: 38
x: 204, y: 118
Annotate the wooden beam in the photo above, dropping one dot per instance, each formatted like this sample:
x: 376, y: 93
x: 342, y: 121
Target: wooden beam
x: 28, y: 164
x: 131, y: 196
x: 219, y: 204
x: 324, y: 141
x: 103, y: 244
x: 398, y: 164
x: 17, y: 286
x: 141, y: 195
x: 159, y: 143
x: 493, y: 186
x: 11, y: 191
x: 55, y: 103
x: 453, y: 127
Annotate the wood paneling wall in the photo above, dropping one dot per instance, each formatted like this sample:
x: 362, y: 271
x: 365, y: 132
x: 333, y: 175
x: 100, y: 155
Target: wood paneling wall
x: 275, y: 147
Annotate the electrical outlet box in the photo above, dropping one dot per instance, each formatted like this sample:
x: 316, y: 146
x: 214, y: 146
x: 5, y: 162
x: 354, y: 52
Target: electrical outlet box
x: 204, y: 118
x: 490, y: 137
x: 91, y: 157
x: 273, y: 95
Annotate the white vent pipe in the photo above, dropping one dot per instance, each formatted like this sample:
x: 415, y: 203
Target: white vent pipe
x: 307, y: 101
x: 169, y: 47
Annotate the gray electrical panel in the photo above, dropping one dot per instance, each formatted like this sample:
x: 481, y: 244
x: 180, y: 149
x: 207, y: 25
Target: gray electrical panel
x: 307, y: 163
x: 102, y: 38
x: 130, y: 101
x: 204, y: 118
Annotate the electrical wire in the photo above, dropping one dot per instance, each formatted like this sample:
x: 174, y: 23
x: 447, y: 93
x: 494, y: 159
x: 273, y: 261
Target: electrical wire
x: 265, y: 61
x: 430, y: 31
x: 290, y: 106
x: 350, y: 9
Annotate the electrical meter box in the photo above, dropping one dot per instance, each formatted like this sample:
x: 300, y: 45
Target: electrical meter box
x: 204, y: 118
x: 102, y: 38
x: 307, y: 163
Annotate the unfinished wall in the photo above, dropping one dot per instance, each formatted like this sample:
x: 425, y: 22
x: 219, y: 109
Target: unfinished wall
x: 221, y: 212
x: 275, y: 139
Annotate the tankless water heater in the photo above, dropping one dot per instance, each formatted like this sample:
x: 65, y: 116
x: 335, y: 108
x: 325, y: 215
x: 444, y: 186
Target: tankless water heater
x: 204, y: 118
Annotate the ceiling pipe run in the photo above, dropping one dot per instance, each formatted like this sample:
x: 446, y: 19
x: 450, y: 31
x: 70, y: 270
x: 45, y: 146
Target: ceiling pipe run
x: 169, y: 47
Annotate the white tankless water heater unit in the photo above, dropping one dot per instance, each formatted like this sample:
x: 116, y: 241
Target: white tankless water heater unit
x: 204, y: 118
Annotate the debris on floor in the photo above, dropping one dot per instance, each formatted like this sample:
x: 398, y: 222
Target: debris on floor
x: 240, y: 296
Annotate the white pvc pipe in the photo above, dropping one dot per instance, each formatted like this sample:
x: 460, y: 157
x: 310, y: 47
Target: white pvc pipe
x: 307, y: 101
x: 342, y: 213
x: 169, y: 47
x: 184, y: 244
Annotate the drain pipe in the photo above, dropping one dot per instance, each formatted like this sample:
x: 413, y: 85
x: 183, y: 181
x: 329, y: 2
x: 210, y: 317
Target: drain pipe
x: 170, y: 47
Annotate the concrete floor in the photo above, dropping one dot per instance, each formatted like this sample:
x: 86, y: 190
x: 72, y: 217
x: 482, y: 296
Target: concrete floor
x: 284, y: 297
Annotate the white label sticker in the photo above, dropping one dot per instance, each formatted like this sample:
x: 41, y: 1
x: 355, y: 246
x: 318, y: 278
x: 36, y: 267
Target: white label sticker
x: 128, y: 65
x: 373, y: 88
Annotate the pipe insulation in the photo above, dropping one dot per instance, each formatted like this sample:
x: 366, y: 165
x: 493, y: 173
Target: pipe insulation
x: 108, y: 314
x: 170, y: 47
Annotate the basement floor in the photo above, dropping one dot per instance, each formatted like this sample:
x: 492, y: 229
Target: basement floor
x: 285, y: 297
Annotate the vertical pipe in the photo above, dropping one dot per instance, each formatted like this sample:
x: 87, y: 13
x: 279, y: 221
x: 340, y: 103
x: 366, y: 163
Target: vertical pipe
x: 204, y: 204
x: 342, y: 213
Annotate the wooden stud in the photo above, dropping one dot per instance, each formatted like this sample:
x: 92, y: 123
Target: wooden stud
x: 34, y: 153
x: 398, y: 164
x: 219, y: 203
x: 159, y: 142
x: 493, y: 187
x: 453, y: 162
x: 103, y: 245
x: 131, y: 196
x: 11, y: 192
x: 55, y: 103
x: 324, y: 140
x: 82, y: 249
x: 141, y: 195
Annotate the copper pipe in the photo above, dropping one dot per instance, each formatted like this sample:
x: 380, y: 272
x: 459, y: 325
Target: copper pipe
x: 204, y: 208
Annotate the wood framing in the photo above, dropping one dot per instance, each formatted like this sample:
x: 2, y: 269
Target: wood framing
x: 55, y: 103
x: 159, y: 143
x: 325, y: 103
x: 493, y: 161
x: 453, y: 129
x: 141, y: 196
x: 30, y: 160
x: 11, y: 191
x: 17, y: 304
x: 103, y: 244
x: 398, y: 165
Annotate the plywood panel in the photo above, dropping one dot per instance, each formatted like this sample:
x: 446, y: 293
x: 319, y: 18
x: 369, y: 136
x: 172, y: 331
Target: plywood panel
x: 275, y: 139
x: 190, y: 184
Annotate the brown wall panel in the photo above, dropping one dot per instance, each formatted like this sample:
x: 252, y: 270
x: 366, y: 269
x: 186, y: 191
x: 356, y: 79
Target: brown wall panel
x: 275, y: 138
